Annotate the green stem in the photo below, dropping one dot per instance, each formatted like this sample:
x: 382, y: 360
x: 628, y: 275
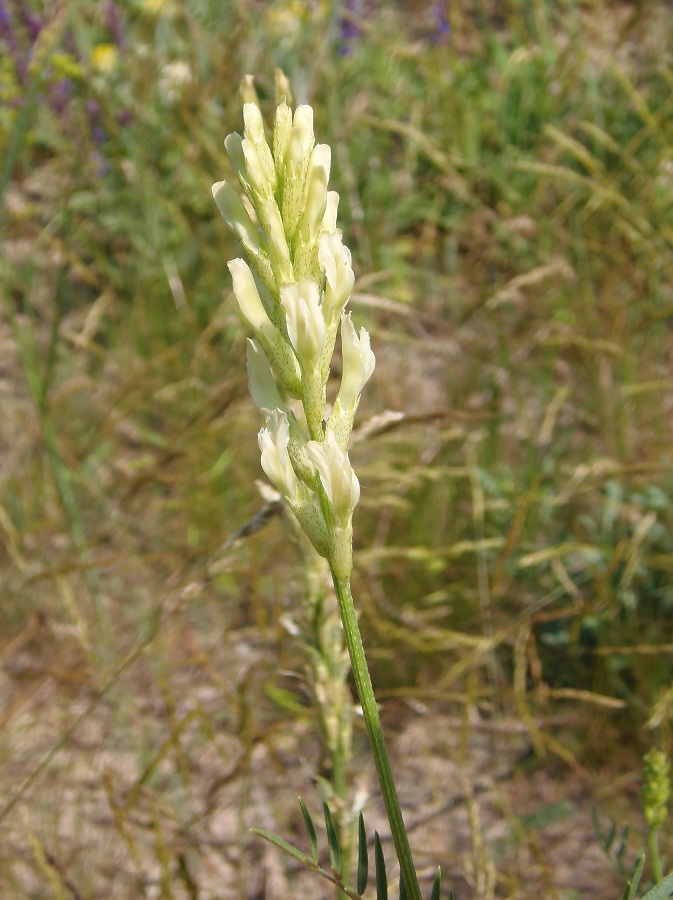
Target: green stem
x: 373, y: 722
x: 655, y: 859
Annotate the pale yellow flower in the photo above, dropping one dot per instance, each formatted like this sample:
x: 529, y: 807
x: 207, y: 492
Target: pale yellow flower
x: 104, y: 57
x: 153, y: 6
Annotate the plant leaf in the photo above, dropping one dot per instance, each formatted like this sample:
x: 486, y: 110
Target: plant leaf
x: 332, y: 842
x: 283, y: 845
x: 662, y: 891
x: 403, y: 890
x: 436, y: 885
x: 381, y: 877
x: 363, y: 856
x: 632, y: 885
x: 308, y: 821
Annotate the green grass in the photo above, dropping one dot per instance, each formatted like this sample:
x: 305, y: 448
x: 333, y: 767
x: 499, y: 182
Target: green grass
x: 507, y: 197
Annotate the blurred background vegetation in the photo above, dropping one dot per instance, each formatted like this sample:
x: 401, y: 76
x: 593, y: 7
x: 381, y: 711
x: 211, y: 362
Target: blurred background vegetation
x: 506, y: 181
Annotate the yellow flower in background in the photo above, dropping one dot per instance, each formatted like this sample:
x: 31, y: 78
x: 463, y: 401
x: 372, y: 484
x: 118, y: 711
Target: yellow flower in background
x: 67, y: 65
x: 104, y: 57
x: 286, y: 17
x: 153, y: 6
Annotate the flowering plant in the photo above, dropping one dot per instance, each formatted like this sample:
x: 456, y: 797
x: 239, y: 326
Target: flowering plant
x: 292, y: 292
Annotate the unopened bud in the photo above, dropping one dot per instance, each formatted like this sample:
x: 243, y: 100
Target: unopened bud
x: 358, y: 361
x: 335, y: 260
x: 249, y: 301
x: 257, y: 176
x: 254, y: 131
x: 330, y: 218
x: 281, y: 135
x: 305, y: 323
x: 336, y: 475
x: 235, y: 214
x: 314, y: 205
x: 233, y: 144
x: 273, y: 443
x: 279, y: 252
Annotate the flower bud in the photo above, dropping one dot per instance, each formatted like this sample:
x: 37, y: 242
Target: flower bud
x: 279, y: 252
x: 305, y: 323
x: 314, y: 205
x: 273, y: 443
x: 343, y: 492
x: 336, y: 475
x: 235, y: 214
x: 283, y: 88
x: 656, y: 788
x: 300, y: 144
x: 257, y: 176
x: 320, y: 158
x: 249, y: 301
x: 358, y: 362
x: 254, y: 131
x: 330, y: 218
x: 335, y: 260
x: 281, y: 135
x: 233, y: 144
x: 293, y: 197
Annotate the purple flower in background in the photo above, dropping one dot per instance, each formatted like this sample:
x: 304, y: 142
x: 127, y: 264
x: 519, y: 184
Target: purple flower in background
x: 440, y: 15
x: 8, y: 34
x: 60, y: 93
x: 5, y: 18
x: 349, y: 31
x: 34, y: 25
x: 114, y: 24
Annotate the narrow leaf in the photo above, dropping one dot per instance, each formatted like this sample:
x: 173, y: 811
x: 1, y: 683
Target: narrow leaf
x: 663, y: 891
x: 632, y: 885
x: 436, y: 885
x: 381, y: 877
x: 610, y: 836
x: 332, y: 843
x: 283, y: 845
x: 621, y: 846
x: 403, y: 890
x: 308, y: 821
x: 363, y: 856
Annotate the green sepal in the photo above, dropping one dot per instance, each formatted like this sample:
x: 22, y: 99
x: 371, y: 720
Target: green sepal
x: 363, y: 856
x: 308, y: 821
